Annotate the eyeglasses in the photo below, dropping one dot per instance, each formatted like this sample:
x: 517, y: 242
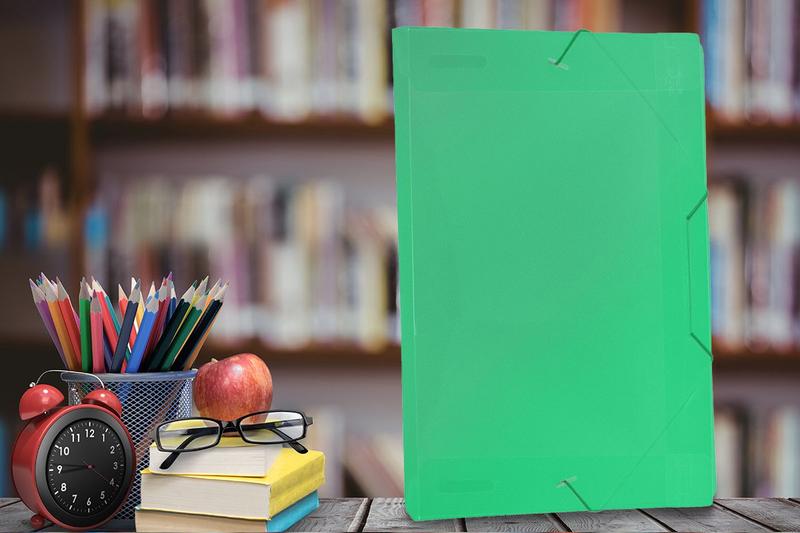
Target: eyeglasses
x: 265, y: 427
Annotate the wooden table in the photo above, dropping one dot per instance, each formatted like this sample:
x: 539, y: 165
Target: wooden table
x: 388, y: 514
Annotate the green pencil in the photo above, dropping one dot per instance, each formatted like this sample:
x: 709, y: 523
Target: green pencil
x: 84, y: 309
x: 183, y: 333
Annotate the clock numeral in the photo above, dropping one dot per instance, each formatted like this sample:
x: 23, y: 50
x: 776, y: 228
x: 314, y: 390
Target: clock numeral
x: 63, y: 487
x: 104, y: 436
x: 88, y: 502
x: 111, y: 482
x: 102, y: 495
x: 59, y: 468
x: 115, y: 465
x: 89, y: 433
x: 64, y: 450
x: 76, y: 437
x: 74, y: 497
x: 111, y: 450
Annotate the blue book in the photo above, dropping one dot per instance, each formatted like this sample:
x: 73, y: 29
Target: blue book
x: 151, y: 520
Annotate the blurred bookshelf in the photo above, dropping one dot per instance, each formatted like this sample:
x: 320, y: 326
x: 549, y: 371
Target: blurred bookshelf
x: 149, y: 76
x: 110, y: 128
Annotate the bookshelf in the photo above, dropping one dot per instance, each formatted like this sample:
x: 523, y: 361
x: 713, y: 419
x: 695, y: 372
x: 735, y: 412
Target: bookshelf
x: 87, y: 134
x: 111, y: 128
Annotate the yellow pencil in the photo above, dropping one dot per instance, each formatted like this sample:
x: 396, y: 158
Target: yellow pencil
x: 199, y: 293
x: 140, y: 310
x: 61, y: 328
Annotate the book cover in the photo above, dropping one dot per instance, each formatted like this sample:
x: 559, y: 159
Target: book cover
x: 152, y: 520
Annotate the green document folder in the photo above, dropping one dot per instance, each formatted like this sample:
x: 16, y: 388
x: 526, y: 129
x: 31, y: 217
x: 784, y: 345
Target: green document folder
x: 556, y: 344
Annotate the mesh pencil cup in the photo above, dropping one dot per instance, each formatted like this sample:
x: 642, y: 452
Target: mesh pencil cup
x: 147, y: 400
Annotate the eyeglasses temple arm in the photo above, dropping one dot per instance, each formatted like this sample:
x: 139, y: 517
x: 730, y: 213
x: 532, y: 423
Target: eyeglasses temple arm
x: 200, y: 432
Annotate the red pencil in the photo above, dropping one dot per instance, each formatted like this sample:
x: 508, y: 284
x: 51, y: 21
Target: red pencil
x: 96, y: 314
x: 122, y: 301
x: 108, y: 322
x: 70, y: 321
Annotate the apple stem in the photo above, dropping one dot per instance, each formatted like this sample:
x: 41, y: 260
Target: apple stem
x: 213, y: 360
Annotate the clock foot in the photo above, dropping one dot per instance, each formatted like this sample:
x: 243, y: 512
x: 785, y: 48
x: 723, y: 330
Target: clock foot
x: 38, y: 521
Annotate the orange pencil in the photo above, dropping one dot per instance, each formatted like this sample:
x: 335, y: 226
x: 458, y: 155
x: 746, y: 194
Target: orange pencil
x: 68, y: 314
x: 61, y: 328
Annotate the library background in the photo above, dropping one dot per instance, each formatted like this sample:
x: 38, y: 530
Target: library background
x: 253, y: 139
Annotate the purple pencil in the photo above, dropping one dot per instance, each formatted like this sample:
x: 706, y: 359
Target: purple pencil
x: 44, y: 312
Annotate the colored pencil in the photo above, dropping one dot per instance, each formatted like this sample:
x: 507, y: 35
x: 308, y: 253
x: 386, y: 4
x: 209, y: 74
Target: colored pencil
x: 84, y: 308
x: 40, y: 302
x: 122, y: 300
x: 173, y: 300
x: 198, y: 293
x: 140, y: 312
x: 162, y: 346
x: 183, y: 334
x: 97, y: 335
x: 158, y: 329
x: 108, y: 322
x: 145, y: 330
x: 60, y: 327
x: 70, y: 322
x: 107, y: 305
x: 108, y: 353
x: 121, y: 352
x: 188, y: 353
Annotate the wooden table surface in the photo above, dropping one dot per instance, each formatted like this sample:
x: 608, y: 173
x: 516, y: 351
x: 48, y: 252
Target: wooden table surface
x: 389, y: 514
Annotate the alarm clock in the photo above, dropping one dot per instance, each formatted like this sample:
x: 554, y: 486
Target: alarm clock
x: 72, y: 465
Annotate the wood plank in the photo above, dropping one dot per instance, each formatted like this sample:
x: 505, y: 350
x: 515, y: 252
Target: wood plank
x: 529, y: 522
x: 112, y: 526
x: 335, y: 514
x: 8, y: 501
x: 16, y: 517
x: 712, y: 518
x: 630, y: 520
x: 389, y: 514
x: 776, y: 513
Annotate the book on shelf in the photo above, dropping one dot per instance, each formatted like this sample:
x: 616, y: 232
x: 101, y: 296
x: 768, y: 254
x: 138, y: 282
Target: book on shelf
x: 757, y: 450
x: 286, y: 59
x: 231, y: 457
x: 375, y: 463
x: 754, y: 228
x: 292, y: 477
x: 729, y: 445
x: 751, y: 58
x: 306, y: 266
x: 158, y: 521
x: 779, y: 472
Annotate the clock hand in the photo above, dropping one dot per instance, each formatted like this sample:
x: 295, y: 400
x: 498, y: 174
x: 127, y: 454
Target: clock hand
x: 93, y: 469
x: 72, y: 468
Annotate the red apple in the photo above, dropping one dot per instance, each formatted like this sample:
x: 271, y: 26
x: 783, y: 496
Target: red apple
x: 232, y: 387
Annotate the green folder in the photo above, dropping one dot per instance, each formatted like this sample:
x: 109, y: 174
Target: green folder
x: 556, y: 346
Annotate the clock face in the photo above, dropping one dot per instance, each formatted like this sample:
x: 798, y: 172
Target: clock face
x: 86, y: 467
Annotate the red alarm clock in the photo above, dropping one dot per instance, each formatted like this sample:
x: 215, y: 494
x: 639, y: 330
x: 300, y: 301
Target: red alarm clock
x: 72, y: 465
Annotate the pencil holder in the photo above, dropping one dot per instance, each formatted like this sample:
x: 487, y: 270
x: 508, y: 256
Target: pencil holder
x: 147, y: 400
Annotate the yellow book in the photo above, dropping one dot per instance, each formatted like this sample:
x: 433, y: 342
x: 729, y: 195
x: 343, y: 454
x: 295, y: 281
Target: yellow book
x: 291, y: 477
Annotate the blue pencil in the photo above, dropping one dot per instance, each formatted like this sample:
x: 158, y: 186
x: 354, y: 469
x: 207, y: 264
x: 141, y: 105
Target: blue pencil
x: 142, y: 338
x: 107, y: 355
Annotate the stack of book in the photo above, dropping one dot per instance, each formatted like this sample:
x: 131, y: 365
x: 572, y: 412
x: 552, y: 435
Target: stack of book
x: 232, y: 487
